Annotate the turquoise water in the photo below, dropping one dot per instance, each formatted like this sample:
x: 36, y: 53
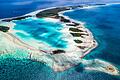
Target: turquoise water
x: 41, y: 30
x: 26, y: 69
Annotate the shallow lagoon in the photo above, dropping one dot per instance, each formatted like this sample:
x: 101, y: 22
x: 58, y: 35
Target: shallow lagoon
x: 40, y: 29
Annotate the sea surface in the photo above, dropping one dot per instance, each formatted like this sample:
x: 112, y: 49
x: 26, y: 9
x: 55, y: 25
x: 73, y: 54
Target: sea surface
x: 13, y: 8
x: 105, y: 25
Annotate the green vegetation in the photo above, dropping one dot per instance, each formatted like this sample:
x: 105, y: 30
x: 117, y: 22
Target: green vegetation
x: 58, y: 51
x: 4, y: 28
x: 75, y: 30
x: 76, y: 34
x: 78, y: 41
x: 51, y: 12
x: 63, y: 19
x: 17, y: 18
x: 82, y: 47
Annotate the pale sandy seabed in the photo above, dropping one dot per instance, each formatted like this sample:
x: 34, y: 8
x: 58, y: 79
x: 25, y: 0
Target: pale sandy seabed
x: 42, y: 52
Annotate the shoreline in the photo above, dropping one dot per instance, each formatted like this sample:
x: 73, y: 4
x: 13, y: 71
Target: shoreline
x: 81, y: 24
x: 76, y: 24
x: 37, y: 11
x: 89, y: 32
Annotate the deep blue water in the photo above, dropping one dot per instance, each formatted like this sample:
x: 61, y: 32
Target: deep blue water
x: 13, y: 8
x: 103, y: 22
x: 105, y: 25
x: 41, y: 30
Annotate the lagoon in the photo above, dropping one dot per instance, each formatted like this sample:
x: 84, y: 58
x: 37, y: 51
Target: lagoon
x: 40, y: 29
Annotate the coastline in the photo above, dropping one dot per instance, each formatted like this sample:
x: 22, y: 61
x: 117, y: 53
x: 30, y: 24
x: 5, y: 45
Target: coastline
x: 73, y: 22
x: 60, y: 14
x: 37, y: 11
x: 56, y: 66
x: 83, y: 24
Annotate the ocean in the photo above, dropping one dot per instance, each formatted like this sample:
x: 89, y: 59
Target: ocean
x: 13, y: 8
x: 105, y: 25
x: 10, y: 8
x: 103, y: 22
